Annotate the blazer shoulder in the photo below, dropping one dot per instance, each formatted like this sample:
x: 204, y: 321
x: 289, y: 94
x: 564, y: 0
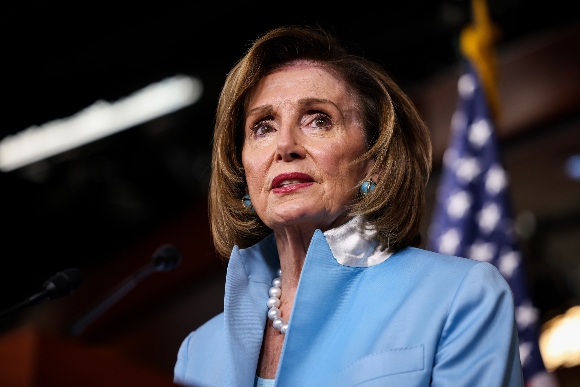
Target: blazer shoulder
x: 427, y: 257
x: 201, y: 349
x: 209, y: 337
x: 211, y: 330
x: 454, y: 266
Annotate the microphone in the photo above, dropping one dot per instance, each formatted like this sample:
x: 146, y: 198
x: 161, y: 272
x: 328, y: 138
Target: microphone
x: 165, y: 258
x: 59, y: 285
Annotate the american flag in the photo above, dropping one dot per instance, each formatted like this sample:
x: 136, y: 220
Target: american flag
x: 472, y: 217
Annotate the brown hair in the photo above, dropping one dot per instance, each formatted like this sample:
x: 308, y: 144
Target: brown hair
x: 398, y: 140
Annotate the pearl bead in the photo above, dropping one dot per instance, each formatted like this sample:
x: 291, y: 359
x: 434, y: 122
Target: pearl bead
x: 273, y: 302
x: 273, y: 313
x: 275, y: 292
x: 278, y: 323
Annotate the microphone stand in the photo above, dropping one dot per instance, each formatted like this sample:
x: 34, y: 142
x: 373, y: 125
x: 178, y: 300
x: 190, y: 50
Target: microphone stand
x: 121, y: 290
x: 28, y: 302
x: 59, y: 285
x: 165, y: 258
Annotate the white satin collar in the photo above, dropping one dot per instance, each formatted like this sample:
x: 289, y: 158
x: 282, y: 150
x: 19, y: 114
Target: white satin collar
x: 354, y: 244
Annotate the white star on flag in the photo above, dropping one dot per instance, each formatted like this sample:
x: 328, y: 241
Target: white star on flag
x: 479, y: 132
x: 488, y: 217
x: 526, y: 315
x: 495, y: 180
x: 459, y: 203
x: 525, y: 350
x: 508, y: 262
x: 458, y: 121
x: 449, y: 241
x: 466, y: 85
x: 467, y: 169
x: 482, y: 251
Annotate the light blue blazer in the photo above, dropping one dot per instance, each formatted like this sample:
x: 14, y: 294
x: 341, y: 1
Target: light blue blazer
x: 415, y: 319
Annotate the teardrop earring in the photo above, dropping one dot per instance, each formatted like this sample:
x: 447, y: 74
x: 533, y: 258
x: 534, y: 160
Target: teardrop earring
x: 367, y: 186
x: 247, y: 203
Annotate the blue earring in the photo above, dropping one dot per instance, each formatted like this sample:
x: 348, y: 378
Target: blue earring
x: 247, y: 203
x: 367, y: 186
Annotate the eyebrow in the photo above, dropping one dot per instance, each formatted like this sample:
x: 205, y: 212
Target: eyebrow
x: 269, y: 109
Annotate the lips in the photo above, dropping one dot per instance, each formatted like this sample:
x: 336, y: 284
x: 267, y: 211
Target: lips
x: 286, y: 182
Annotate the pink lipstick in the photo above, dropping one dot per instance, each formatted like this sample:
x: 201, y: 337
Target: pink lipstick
x: 288, y: 182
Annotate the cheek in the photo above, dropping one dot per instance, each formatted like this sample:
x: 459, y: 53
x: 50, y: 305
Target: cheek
x: 256, y: 169
x: 338, y: 161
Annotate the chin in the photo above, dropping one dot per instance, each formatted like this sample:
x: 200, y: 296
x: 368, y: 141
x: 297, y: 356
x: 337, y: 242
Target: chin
x: 305, y: 217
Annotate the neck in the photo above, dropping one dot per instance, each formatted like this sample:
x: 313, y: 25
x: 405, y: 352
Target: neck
x: 292, y: 247
x: 292, y: 243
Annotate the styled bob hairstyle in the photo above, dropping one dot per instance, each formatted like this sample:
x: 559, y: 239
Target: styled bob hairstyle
x: 397, y: 137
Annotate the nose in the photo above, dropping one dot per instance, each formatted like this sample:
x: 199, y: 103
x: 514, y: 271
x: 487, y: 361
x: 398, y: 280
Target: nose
x: 289, y: 147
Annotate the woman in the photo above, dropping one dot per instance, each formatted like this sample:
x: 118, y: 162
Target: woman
x: 319, y: 167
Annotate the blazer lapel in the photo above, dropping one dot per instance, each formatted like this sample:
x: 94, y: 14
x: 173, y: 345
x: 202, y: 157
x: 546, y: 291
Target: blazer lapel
x: 249, y: 275
x: 316, y: 305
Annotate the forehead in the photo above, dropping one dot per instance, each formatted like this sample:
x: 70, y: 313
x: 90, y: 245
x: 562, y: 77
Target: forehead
x: 300, y: 79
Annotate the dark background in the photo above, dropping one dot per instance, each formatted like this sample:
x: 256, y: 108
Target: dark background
x: 105, y: 207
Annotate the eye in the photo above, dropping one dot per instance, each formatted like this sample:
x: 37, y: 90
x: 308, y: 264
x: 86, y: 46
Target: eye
x: 321, y: 121
x: 262, y: 128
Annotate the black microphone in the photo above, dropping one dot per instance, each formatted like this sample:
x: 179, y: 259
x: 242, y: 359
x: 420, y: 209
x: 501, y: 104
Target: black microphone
x: 165, y: 258
x: 59, y: 285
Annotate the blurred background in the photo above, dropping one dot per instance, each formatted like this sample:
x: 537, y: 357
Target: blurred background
x: 105, y: 205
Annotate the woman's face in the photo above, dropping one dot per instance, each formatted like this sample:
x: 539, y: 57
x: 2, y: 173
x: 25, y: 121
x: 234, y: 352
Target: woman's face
x: 302, y: 134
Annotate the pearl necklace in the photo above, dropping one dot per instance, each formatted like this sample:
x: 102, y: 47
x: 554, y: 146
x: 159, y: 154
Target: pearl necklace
x: 274, y: 302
